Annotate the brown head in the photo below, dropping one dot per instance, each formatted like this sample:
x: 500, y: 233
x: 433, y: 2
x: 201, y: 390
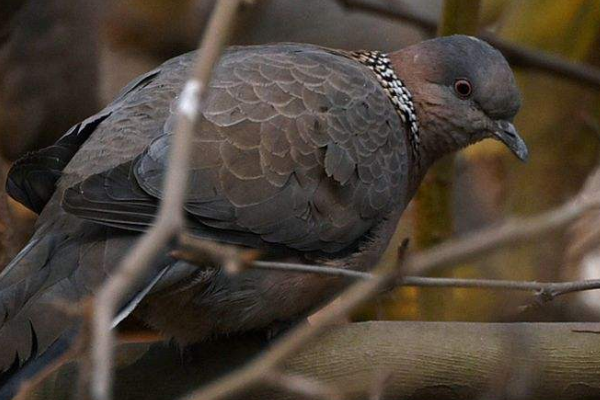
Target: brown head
x: 464, y: 91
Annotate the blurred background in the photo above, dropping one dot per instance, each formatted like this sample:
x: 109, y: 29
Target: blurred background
x: 63, y: 60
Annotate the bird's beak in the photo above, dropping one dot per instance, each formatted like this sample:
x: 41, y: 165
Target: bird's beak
x: 505, y: 132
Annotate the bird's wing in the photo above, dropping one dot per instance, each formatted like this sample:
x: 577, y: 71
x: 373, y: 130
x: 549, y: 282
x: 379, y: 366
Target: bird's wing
x: 36, y: 309
x: 32, y: 179
x: 295, y: 146
x: 68, y: 258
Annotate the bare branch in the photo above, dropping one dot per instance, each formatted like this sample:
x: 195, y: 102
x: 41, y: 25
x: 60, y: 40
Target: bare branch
x: 517, y: 56
x: 307, y: 268
x: 304, y: 386
x: 80, y: 350
x: 513, y: 232
x: 546, y: 291
x: 232, y: 259
x: 426, y: 360
x: 380, y: 383
x: 170, y: 219
x: 28, y: 387
x: 271, y: 360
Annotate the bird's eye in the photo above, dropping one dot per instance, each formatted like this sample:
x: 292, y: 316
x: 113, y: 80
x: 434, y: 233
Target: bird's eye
x: 463, y: 88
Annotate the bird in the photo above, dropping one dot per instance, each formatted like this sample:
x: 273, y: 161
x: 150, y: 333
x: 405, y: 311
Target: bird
x: 306, y: 153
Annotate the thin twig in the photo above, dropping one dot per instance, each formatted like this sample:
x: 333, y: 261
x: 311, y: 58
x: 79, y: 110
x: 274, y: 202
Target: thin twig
x: 392, y: 10
x: 79, y: 350
x: 546, y: 290
x: 515, y: 232
x: 232, y: 259
x: 254, y: 372
x: 380, y: 383
x: 170, y: 219
x: 512, y: 232
x: 517, y: 56
x: 27, y: 390
x: 307, y: 268
x: 304, y: 386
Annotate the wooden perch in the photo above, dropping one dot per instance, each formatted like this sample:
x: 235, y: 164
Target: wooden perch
x: 421, y: 360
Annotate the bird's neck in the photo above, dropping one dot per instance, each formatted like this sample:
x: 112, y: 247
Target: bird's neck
x: 397, y: 92
x: 437, y: 135
x: 425, y: 147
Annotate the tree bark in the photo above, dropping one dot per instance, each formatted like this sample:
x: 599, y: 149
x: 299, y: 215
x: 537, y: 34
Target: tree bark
x: 422, y: 360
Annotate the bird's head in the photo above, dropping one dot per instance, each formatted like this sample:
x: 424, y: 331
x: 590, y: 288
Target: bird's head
x: 464, y: 91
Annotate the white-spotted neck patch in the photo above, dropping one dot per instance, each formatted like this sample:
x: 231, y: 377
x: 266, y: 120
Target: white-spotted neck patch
x: 401, y: 98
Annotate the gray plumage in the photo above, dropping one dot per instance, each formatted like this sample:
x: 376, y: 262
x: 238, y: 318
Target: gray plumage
x: 299, y: 151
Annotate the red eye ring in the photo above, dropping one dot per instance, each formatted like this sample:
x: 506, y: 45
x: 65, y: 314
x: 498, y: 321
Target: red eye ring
x: 463, y: 88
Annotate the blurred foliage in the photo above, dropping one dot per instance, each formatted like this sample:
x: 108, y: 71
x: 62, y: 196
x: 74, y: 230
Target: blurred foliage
x: 157, y: 25
x: 459, y: 16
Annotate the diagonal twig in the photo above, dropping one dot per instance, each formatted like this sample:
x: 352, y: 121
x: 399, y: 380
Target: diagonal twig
x: 254, y: 372
x: 232, y: 259
x: 512, y: 232
x: 169, y: 221
x: 516, y: 55
x: 306, y: 387
x: 488, y: 240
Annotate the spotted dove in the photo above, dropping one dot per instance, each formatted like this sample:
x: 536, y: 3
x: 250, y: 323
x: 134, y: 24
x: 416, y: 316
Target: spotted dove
x: 307, y: 153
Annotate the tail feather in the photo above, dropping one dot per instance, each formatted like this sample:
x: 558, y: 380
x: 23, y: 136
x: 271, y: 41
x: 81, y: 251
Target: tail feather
x: 63, y: 264
x: 29, y: 289
x: 13, y: 379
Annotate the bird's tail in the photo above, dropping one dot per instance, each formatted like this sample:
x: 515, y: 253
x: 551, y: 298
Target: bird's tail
x: 42, y: 288
x: 32, y: 292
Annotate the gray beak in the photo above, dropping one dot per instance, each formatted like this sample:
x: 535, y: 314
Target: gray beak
x: 507, y: 134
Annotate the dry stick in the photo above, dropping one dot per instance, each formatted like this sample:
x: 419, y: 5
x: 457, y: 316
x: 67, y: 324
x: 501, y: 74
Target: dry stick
x: 380, y: 383
x: 232, y: 259
x: 79, y: 350
x: 516, y: 55
x: 170, y: 215
x: 255, y: 371
x: 456, y: 251
x: 27, y: 389
x: 513, y: 232
x: 306, y: 387
x: 546, y: 290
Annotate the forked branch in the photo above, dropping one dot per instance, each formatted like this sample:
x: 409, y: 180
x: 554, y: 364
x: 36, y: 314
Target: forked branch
x: 517, y: 56
x: 170, y: 221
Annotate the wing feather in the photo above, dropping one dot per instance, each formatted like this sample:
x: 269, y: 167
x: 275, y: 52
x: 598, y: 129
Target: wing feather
x: 297, y: 146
